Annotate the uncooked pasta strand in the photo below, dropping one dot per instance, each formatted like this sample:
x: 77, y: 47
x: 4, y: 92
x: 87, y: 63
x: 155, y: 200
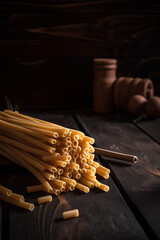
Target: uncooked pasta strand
x: 28, y: 158
x: 17, y: 197
x: 70, y: 214
x: 103, y: 187
x: 32, y: 140
x: 82, y: 187
x: 13, y: 152
x: 17, y: 115
x: 44, y: 199
x: 23, y: 146
x: 35, y: 188
x: 26, y: 205
x: 25, y: 130
x: 32, y: 124
x: 20, y: 115
x: 5, y: 191
x: 104, y: 169
x: 53, y: 157
x: 48, y: 175
x: 86, y: 182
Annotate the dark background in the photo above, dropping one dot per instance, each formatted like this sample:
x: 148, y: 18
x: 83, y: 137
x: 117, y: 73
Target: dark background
x: 47, y: 48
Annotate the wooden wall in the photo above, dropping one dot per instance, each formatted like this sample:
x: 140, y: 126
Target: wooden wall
x: 47, y: 47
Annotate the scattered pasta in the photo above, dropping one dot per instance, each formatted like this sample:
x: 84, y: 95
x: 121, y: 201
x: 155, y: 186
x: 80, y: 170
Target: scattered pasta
x: 14, y: 198
x: 71, y: 214
x: 44, y: 199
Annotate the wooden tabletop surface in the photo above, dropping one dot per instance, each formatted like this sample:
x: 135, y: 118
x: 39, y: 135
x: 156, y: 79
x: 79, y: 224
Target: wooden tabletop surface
x: 130, y: 210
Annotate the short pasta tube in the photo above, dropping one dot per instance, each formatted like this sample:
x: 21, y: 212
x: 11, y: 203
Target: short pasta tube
x: 70, y: 214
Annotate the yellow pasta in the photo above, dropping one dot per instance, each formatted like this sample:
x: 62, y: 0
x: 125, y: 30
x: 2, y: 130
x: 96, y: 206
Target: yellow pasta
x: 59, y: 171
x: 58, y: 182
x: 30, y: 159
x: 59, y: 163
x: 10, y: 126
x: 93, y: 169
x: 82, y: 187
x: 29, y: 140
x: 70, y: 186
x: 97, y: 183
x: 5, y: 191
x: 48, y: 175
x: 48, y: 133
x: 89, y: 139
x: 69, y: 180
x: 26, y: 205
x: 53, y: 157
x: 35, y: 188
x: 56, y: 191
x: 16, y: 115
x: 103, y: 187
x: 102, y: 173
x: 59, y: 157
x: 67, y: 174
x: 94, y: 164
x: 74, y: 166
x: 20, y: 115
x: 76, y: 176
x: 89, y: 177
x: 70, y: 214
x: 86, y: 182
x: 17, y: 197
x: 44, y: 199
x: 20, y: 161
x: 23, y: 146
x: 104, y: 169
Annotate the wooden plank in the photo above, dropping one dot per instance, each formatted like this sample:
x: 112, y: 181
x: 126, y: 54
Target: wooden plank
x: 96, y: 34
x: 6, y: 178
x: 103, y: 6
x: 102, y: 215
x: 151, y: 128
x: 138, y: 182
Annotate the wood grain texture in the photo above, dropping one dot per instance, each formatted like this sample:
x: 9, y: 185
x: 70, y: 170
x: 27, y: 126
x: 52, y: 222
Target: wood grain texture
x: 139, y: 182
x: 151, y: 128
x: 82, y: 6
x: 81, y: 29
x: 102, y: 215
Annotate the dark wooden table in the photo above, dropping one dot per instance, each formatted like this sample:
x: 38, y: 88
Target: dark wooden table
x: 130, y: 210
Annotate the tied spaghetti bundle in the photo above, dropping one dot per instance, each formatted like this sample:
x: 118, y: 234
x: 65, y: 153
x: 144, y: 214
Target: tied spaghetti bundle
x: 62, y: 159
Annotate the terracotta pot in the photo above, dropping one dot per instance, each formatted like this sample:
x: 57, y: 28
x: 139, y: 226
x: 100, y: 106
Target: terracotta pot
x: 136, y: 105
x: 123, y: 94
x: 144, y: 87
x: 152, y: 107
x: 126, y: 87
x: 104, y: 78
x: 133, y: 87
x: 149, y: 93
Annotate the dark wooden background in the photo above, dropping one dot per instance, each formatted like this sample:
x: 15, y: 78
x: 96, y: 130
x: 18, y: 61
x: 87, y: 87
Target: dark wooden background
x: 47, y: 48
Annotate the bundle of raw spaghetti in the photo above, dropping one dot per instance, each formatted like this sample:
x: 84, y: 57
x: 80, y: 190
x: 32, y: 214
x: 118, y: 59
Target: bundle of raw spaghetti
x: 62, y: 159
